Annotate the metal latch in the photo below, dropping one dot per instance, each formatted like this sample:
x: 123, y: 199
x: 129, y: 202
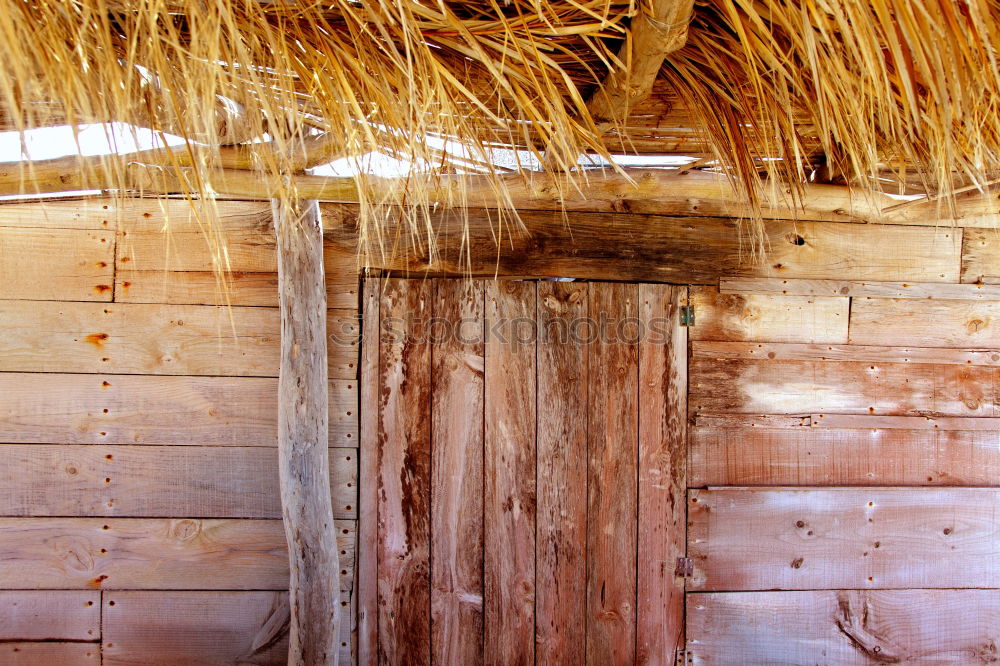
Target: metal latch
x: 687, y: 315
x: 685, y: 567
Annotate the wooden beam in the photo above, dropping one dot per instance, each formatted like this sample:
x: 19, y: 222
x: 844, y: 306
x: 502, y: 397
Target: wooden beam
x: 302, y: 437
x: 859, y: 289
x: 659, y: 28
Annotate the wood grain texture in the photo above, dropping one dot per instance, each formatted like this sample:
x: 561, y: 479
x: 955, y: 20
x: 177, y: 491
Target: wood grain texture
x: 48, y: 653
x: 561, y: 548
x: 871, y: 538
x: 980, y: 255
x: 200, y: 628
x: 404, y: 474
x: 613, y: 389
x: 156, y: 481
x: 859, y: 422
x: 509, y: 499
x: 101, y: 214
x: 457, y: 474
x: 662, y: 476
x: 859, y: 289
x: 768, y: 317
x: 777, y: 351
x: 814, y: 387
x: 70, y: 409
x: 850, y: 627
x: 57, y: 264
x: 366, y: 596
x: 146, y: 553
x: 44, y: 615
x: 948, y: 323
x: 830, y: 457
x: 685, y: 250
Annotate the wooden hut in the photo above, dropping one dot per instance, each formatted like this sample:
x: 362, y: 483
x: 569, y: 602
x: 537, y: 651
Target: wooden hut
x: 673, y: 339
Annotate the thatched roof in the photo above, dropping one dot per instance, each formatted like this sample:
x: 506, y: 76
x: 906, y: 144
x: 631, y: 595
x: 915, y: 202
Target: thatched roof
x: 900, y: 95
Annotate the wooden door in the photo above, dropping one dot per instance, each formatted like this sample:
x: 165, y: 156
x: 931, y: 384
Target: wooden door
x: 523, y: 467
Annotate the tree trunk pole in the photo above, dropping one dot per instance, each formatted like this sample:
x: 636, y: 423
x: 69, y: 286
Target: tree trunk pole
x: 303, y: 456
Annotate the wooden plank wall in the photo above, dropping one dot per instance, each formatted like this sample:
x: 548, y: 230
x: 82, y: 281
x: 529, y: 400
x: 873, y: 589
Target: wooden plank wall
x: 844, y: 470
x: 140, y: 513
x: 523, y: 484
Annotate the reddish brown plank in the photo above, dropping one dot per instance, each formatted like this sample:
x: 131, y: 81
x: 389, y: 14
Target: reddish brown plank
x: 561, y: 550
x: 50, y: 615
x: 49, y: 653
x: 404, y: 468
x: 457, y: 481
x: 860, y: 289
x: 611, y: 497
x: 509, y: 491
x: 662, y: 474
x: 844, y: 538
x: 818, y: 387
x: 831, y: 457
x: 777, y: 351
x: 367, y: 584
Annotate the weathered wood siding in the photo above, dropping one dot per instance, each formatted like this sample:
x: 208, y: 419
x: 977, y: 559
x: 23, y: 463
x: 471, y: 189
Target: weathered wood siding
x: 140, y: 513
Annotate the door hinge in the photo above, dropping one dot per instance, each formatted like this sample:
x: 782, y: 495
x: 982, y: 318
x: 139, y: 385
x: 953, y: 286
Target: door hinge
x: 685, y: 567
x: 687, y: 315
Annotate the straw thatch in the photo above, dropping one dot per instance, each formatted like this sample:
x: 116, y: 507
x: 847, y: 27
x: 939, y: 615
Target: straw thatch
x: 884, y: 94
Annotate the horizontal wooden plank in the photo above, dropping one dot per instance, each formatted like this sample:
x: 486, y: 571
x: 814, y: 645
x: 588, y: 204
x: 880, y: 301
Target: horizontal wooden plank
x: 49, y: 615
x: 206, y: 288
x: 683, y: 250
x: 772, y: 317
x: 100, y: 214
x: 860, y: 289
x: 849, y: 627
x: 925, y: 323
x: 138, y: 409
x: 905, y: 422
x: 817, y: 387
x: 48, y: 653
x: 195, y: 628
x: 778, y: 351
x: 742, y: 421
x: 980, y: 256
x: 846, y: 538
x: 149, y: 553
x: 57, y: 264
x: 156, y: 339
x: 828, y: 457
x: 156, y: 481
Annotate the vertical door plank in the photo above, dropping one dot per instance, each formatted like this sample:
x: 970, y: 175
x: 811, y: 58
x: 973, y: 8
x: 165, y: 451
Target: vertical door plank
x: 509, y: 490
x: 457, y: 473
x: 404, y: 460
x: 367, y: 575
x: 662, y: 474
x: 613, y: 421
x: 561, y: 551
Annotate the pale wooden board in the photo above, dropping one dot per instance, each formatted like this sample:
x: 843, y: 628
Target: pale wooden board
x: 220, y: 411
x: 828, y: 457
x: 980, y: 255
x: 56, y: 264
x: 200, y: 628
x: 904, y: 422
x: 404, y: 475
x: 662, y: 472
x: 770, y: 317
x: 941, y: 323
x: 156, y: 481
x: 561, y: 459
x: 846, y: 538
x: 147, y: 553
x: 156, y: 339
x: 457, y: 474
x: 859, y: 289
x: 815, y: 387
x: 44, y: 615
x: 612, y: 425
x: 509, y: 497
x: 98, y: 213
x: 233, y: 288
x: 47, y: 654
x: 865, y: 353
x: 366, y: 597
x: 844, y: 627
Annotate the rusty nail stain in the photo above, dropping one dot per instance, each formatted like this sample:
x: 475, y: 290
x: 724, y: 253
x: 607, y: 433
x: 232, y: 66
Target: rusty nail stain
x: 147, y: 215
x: 126, y: 285
x: 105, y: 384
x: 947, y: 530
x: 102, y: 264
x: 125, y: 260
x: 797, y: 562
x: 101, y: 288
x: 97, y: 339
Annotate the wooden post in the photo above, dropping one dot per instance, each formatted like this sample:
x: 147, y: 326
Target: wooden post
x: 303, y: 457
